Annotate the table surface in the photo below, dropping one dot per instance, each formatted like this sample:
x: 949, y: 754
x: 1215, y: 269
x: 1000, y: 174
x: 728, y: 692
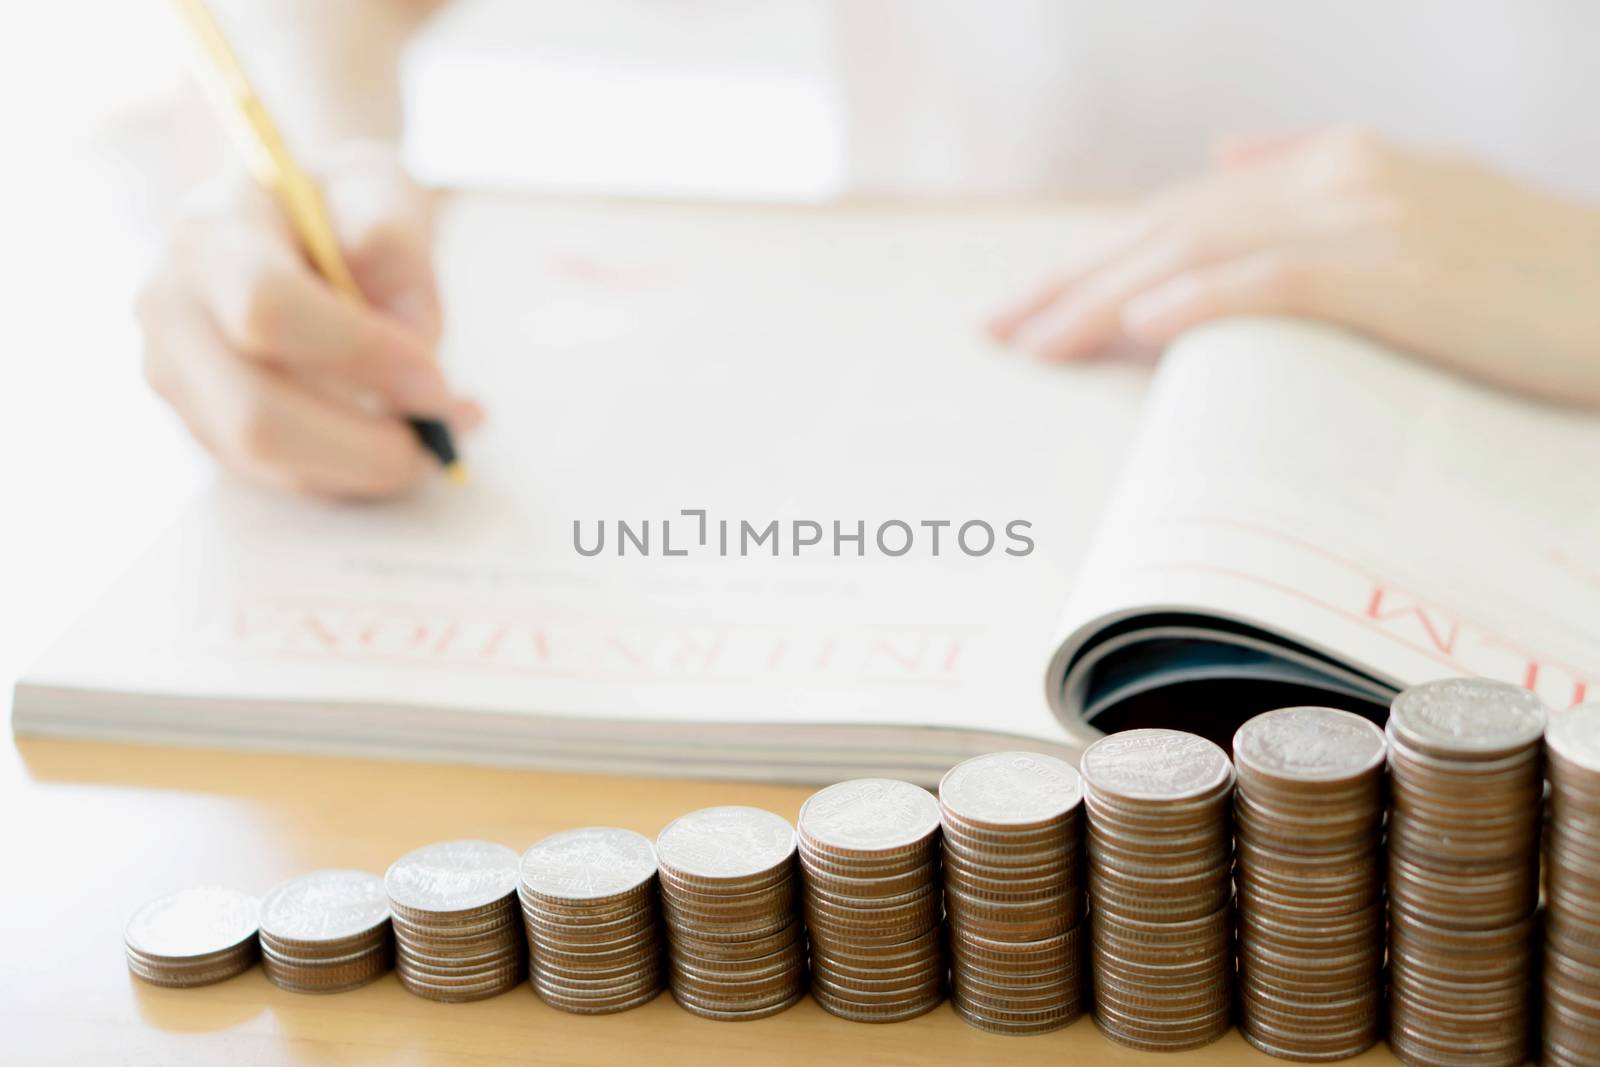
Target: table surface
x: 92, y: 830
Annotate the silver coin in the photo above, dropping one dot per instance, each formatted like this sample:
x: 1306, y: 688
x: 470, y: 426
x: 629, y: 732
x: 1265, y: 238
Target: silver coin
x: 452, y: 876
x: 870, y: 815
x: 1309, y: 744
x: 588, y: 864
x: 1467, y: 717
x: 1574, y: 735
x: 200, y: 921
x: 332, y: 905
x: 1155, y: 765
x: 1005, y: 789
x: 725, y: 842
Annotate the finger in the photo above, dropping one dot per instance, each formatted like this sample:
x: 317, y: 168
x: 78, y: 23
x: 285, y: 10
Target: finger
x: 1017, y: 325
x: 329, y: 450
x: 467, y: 416
x: 1089, y: 318
x: 270, y: 306
x: 1266, y: 283
x: 261, y: 424
x: 1007, y: 324
x: 385, y: 224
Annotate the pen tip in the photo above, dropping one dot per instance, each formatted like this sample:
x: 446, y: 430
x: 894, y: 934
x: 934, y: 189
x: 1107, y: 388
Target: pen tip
x: 457, y: 473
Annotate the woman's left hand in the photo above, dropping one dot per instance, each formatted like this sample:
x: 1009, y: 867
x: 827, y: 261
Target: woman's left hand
x: 1438, y: 257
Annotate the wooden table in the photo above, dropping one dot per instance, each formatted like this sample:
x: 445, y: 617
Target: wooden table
x: 89, y: 831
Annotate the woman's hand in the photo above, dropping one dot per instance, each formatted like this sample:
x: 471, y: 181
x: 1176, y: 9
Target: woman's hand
x: 282, y: 379
x: 1457, y: 265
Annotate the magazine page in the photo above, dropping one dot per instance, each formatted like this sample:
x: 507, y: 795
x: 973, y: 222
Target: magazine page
x: 718, y: 486
x: 1369, y: 514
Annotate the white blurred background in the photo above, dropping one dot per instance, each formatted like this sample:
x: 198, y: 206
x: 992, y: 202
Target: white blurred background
x: 94, y: 466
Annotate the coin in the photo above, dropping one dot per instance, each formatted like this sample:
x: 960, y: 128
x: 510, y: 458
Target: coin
x: 452, y: 877
x: 868, y: 818
x: 1467, y: 718
x: 591, y: 864
x: 590, y: 909
x: 1159, y: 864
x: 324, y: 907
x: 193, y: 937
x: 726, y: 846
x: 453, y: 906
x: 326, y: 931
x: 1464, y: 831
x: 730, y: 898
x: 1313, y: 750
x: 1163, y: 767
x: 1570, y: 1033
x: 1309, y: 810
x: 877, y: 956
x: 1010, y: 791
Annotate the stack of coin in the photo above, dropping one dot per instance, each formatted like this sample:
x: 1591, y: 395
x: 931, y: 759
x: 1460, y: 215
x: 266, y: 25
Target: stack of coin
x: 1160, y: 852
x: 1571, y: 1032
x: 458, y: 932
x: 1308, y: 828
x: 1467, y: 782
x: 589, y: 903
x: 326, y: 932
x: 1013, y: 891
x: 869, y: 849
x: 193, y: 937
x: 729, y: 894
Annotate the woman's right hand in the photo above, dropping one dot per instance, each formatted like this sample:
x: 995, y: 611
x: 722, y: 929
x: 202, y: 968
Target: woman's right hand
x: 283, y: 380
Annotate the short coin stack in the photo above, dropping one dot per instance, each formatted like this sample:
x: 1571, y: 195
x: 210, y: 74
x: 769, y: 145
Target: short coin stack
x: 589, y: 904
x: 326, y: 932
x: 729, y: 894
x: 1160, y: 864
x: 193, y: 937
x: 458, y: 934
x: 1013, y: 891
x: 1464, y: 761
x: 869, y: 849
x: 1571, y: 1032
x: 1308, y: 826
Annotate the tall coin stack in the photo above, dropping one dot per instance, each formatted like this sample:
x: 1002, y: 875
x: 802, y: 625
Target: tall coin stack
x: 1308, y: 830
x: 326, y: 932
x: 729, y: 895
x: 589, y: 906
x: 869, y: 849
x: 458, y: 933
x: 1013, y: 891
x: 1464, y: 761
x: 1160, y: 862
x: 193, y: 937
x: 1571, y: 1032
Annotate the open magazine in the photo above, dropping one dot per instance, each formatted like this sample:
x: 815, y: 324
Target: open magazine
x: 1308, y: 518
x: 1278, y: 513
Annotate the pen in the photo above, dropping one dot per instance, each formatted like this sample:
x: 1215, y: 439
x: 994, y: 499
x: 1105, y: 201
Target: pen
x: 268, y: 157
